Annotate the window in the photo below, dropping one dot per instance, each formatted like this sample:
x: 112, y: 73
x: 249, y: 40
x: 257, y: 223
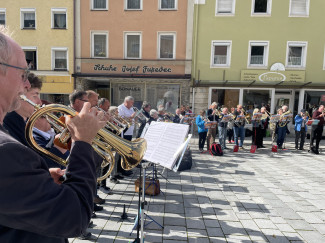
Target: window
x: 99, y: 5
x: 99, y: 44
x: 226, y: 97
x: 166, y: 45
x: 252, y: 97
x: 28, y: 18
x: 31, y: 58
x: 299, y: 8
x: 133, y: 45
x: 59, y: 18
x: 296, y: 54
x: 221, y: 53
x: 258, y: 54
x: 133, y: 4
x: 60, y: 59
x: 225, y: 7
x: 2, y: 16
x: 261, y: 7
x: 168, y: 5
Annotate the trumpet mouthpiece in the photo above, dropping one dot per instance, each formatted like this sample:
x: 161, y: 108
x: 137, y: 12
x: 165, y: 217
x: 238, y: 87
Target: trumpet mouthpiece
x: 23, y: 97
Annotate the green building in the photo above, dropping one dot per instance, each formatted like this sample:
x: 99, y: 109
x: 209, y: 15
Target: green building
x: 258, y: 51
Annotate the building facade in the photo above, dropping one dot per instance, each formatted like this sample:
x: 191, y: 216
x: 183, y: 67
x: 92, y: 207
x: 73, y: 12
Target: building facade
x: 258, y: 52
x: 44, y: 29
x: 140, y: 48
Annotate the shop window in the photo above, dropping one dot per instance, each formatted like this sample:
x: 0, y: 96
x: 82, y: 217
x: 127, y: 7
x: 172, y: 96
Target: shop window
x: 133, y: 4
x: 133, y: 45
x: 221, y: 52
x: 261, y: 7
x: 252, y: 98
x: 166, y: 46
x: 31, y: 58
x: 2, y: 16
x: 56, y: 98
x: 225, y: 7
x: 99, y: 45
x: 168, y: 4
x: 120, y: 90
x: 296, y: 54
x: 258, y: 54
x: 299, y: 8
x: 313, y: 99
x: 59, y: 18
x: 164, y: 94
x: 99, y: 5
x: 225, y: 97
x: 28, y: 18
x: 60, y: 59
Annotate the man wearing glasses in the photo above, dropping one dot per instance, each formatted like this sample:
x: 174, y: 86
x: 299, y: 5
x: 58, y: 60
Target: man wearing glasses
x: 34, y: 206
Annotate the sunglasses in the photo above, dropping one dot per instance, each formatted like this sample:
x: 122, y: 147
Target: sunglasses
x: 24, y: 76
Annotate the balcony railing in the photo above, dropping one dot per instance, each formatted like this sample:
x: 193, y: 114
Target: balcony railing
x: 294, y: 61
x: 257, y: 60
x: 220, y: 59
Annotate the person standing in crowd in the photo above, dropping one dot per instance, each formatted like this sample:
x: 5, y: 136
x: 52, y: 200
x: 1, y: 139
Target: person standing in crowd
x: 239, y: 127
x: 153, y: 116
x: 265, y: 123
x: 104, y: 104
x: 300, y: 129
x: 34, y: 189
x: 145, y: 109
x: 318, y: 131
x: 230, y: 131
x: 92, y: 97
x: 257, y: 135
x: 178, y: 118
x: 200, y: 122
x: 15, y: 121
x: 222, y: 128
x: 212, y: 116
x: 282, y: 128
x: 125, y: 110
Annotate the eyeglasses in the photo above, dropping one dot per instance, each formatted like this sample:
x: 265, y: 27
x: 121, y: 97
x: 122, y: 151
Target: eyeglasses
x: 83, y: 100
x: 24, y: 76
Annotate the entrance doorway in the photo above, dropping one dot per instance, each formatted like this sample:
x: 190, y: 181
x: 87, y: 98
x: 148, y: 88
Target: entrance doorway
x: 281, y: 100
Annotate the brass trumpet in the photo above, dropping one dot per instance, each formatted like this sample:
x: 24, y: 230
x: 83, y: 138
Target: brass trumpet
x: 131, y: 152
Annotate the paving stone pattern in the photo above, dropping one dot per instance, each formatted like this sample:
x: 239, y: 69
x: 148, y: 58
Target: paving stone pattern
x: 239, y: 197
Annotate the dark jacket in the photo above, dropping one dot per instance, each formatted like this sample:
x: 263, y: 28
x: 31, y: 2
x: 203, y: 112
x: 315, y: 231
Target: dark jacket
x: 15, y: 125
x: 35, y: 209
x: 143, y: 122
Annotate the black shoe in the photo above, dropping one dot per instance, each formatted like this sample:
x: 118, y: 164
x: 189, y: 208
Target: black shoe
x: 106, y: 190
x: 85, y: 236
x: 99, y: 200
x: 114, y: 180
x: 93, y: 215
x: 91, y: 224
x: 119, y: 177
x: 97, y: 208
x: 127, y: 173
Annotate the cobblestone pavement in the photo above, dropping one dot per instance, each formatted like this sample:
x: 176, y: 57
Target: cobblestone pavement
x: 239, y: 197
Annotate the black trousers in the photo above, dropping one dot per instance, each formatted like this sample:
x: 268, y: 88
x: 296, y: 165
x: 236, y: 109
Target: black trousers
x: 202, y: 138
x: 317, y: 134
x: 257, y: 136
x: 300, y: 135
x: 230, y: 134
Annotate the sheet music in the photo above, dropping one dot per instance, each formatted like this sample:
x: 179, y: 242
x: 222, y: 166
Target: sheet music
x: 163, y: 142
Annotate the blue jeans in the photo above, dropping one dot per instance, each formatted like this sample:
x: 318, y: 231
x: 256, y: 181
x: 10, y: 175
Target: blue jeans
x: 222, y: 136
x: 282, y: 132
x: 239, y: 132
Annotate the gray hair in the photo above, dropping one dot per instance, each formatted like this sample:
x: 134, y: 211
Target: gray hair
x: 153, y: 112
x: 112, y: 109
x: 214, y: 103
x: 102, y: 101
x: 161, y: 108
x: 128, y: 98
x: 5, y: 48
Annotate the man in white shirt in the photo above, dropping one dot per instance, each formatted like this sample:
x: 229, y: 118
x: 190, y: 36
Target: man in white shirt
x: 126, y: 110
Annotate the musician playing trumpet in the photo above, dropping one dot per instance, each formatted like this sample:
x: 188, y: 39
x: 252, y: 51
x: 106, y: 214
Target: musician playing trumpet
x: 318, y: 131
x: 239, y: 127
x: 282, y: 128
x: 300, y: 128
x: 213, y: 115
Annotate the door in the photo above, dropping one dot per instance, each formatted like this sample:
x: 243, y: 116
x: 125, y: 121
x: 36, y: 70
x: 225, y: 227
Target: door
x: 281, y: 100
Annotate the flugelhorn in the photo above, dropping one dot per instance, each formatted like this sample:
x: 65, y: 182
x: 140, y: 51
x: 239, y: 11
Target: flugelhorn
x: 131, y: 152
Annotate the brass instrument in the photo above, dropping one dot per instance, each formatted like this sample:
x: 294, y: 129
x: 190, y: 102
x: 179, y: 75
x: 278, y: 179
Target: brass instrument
x: 283, y: 122
x: 131, y: 152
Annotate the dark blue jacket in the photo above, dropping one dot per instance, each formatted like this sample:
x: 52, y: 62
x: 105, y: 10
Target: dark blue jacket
x: 15, y: 125
x: 35, y: 209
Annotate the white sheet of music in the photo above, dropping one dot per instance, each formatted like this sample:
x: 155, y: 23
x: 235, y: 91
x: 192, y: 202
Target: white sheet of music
x: 164, y: 140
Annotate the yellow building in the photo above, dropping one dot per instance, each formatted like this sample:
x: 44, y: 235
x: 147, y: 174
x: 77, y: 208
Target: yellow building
x: 45, y: 30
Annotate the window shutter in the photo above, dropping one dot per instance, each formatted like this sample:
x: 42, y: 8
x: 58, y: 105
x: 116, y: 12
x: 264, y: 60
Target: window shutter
x: 299, y: 7
x: 225, y: 6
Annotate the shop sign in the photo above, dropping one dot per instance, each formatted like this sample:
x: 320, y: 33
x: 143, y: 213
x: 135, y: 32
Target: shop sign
x: 132, y: 69
x: 272, y: 76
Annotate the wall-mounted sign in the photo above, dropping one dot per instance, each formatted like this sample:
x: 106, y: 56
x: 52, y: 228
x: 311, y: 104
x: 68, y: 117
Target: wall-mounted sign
x: 272, y: 77
x: 132, y: 69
